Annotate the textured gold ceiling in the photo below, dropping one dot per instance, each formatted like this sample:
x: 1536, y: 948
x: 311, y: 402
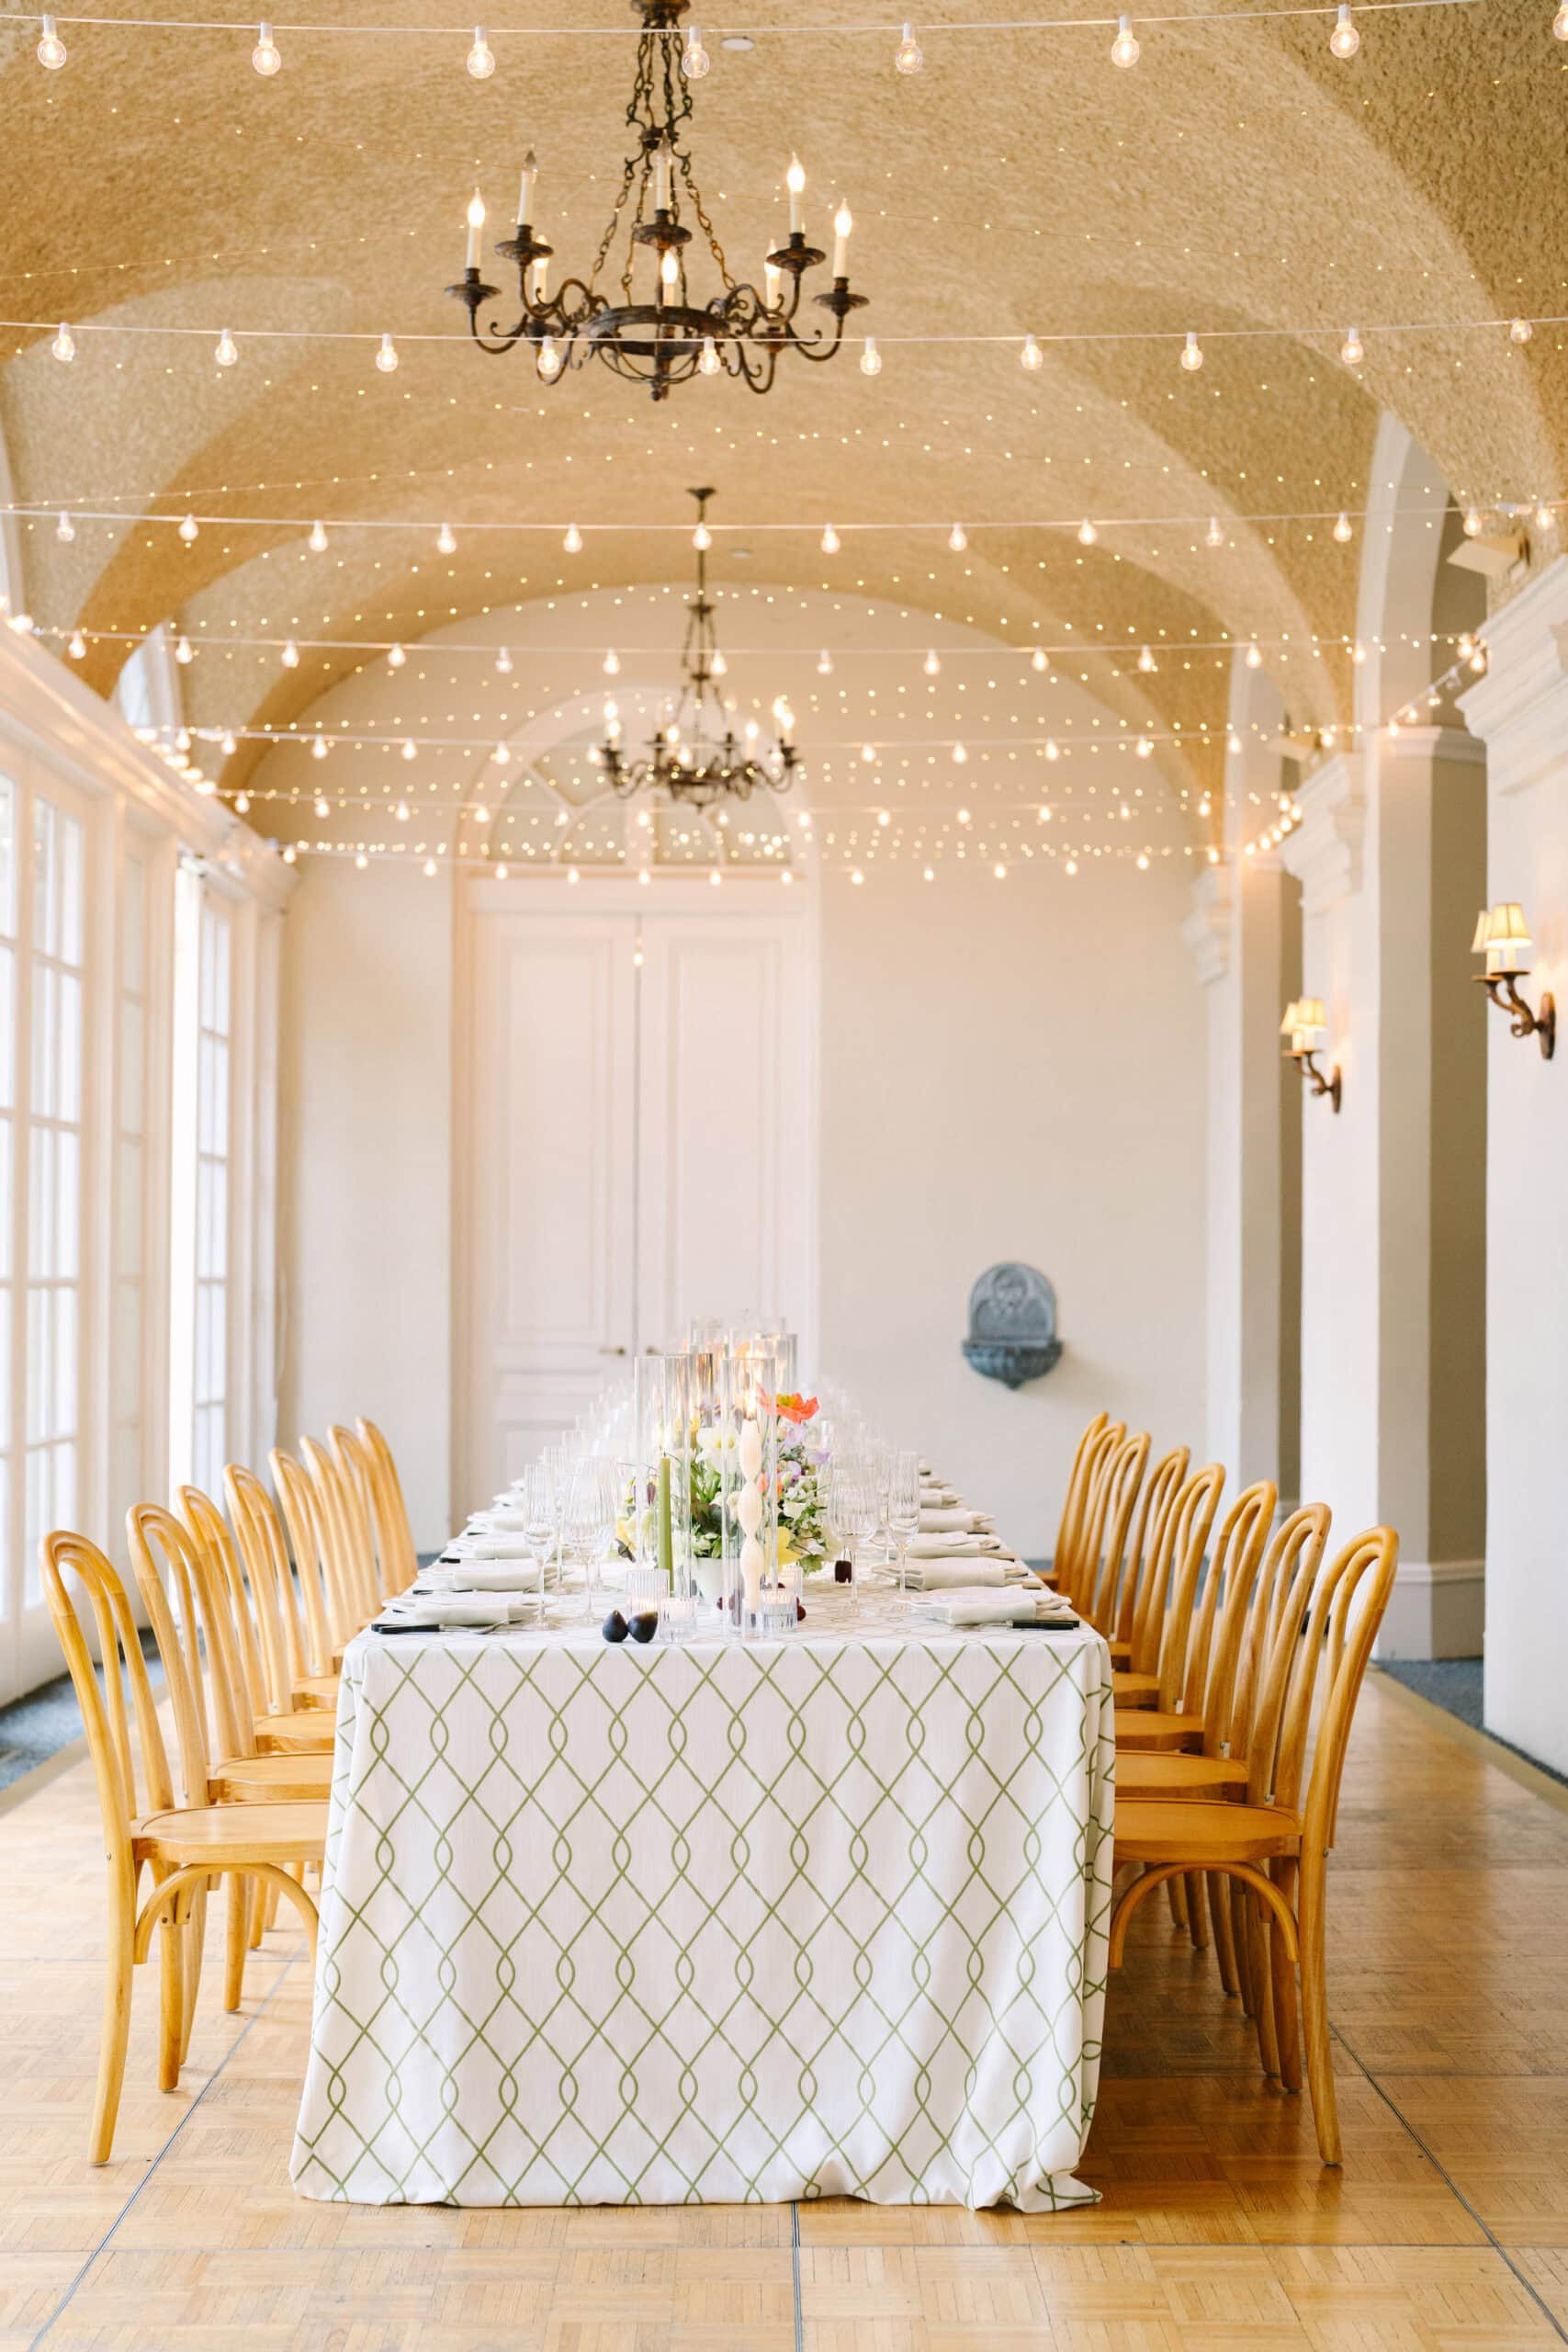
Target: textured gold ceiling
x: 1238, y: 177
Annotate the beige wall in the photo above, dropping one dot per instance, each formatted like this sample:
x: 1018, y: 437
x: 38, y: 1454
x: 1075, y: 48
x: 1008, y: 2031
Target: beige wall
x: 1013, y: 1070
x: 365, y: 1171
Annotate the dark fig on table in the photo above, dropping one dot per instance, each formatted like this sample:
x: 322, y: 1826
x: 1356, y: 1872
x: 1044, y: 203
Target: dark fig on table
x: 800, y: 1612
x: 615, y: 1627
x: 645, y: 1624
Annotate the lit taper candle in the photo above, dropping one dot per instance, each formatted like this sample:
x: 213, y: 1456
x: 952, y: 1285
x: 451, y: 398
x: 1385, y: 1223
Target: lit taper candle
x: 476, y: 225
x: 795, y: 179
x: 843, y: 221
x: 525, y: 192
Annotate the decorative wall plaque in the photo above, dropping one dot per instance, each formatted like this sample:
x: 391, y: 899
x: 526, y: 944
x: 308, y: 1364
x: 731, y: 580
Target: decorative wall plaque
x: 1013, y: 1325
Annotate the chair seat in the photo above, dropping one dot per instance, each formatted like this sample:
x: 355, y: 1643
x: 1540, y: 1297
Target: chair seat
x: 1204, y: 1836
x: 1158, y: 1777
x: 278, y: 1779
x: 1121, y: 1654
x: 1135, y: 1690
x: 310, y: 1733
x: 1155, y: 1727
x: 315, y: 1690
x: 233, y: 1834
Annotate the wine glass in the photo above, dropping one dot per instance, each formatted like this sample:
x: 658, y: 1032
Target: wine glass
x: 541, y: 1520
x: 583, y: 1522
x: 855, y: 1515
x: 904, y: 1509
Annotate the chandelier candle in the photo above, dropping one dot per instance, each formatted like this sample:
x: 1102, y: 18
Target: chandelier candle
x: 659, y: 219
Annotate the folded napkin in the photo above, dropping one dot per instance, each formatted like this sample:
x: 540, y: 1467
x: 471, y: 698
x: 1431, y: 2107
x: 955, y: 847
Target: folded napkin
x: 498, y: 1522
x: 517, y: 1575
x: 979, y: 1605
x: 938, y: 1498
x: 476, y: 1544
x: 964, y: 1570
x: 953, y: 1522
x: 955, y: 1546
x: 440, y: 1608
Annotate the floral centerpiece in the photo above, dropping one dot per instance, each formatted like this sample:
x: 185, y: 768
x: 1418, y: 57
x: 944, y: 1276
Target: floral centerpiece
x: 803, y: 1533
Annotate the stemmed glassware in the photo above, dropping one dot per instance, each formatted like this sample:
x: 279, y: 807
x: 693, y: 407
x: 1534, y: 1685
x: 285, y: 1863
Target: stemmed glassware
x: 589, y: 1518
x: 856, y: 1513
x: 904, y: 1509
x: 541, y: 1518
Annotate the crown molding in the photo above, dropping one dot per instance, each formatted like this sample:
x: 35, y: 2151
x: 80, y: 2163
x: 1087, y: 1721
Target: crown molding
x: 1324, y: 851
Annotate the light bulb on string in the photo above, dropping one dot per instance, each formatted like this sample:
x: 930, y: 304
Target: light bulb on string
x: 830, y: 540
x: 242, y: 803
x: 360, y: 862
x: 319, y: 747
x: 824, y: 663
x: 959, y: 756
x: 227, y: 744
x: 1343, y: 531
x: 1038, y: 660
x: 870, y: 358
x: 1053, y: 749
x: 184, y: 651
x: 709, y: 362
x: 868, y: 754
x: 65, y: 530
x: 77, y: 649
x: 430, y: 869
x: 264, y: 57
x: 1544, y: 517
x: 958, y: 539
x: 550, y: 361
x: 701, y: 539
x: 1215, y: 536
x: 401, y: 812
x: 481, y: 57
x: 1560, y: 23
x: 1031, y: 356
x: 1087, y: 535
x: 695, y: 59
x: 64, y: 344
x: 322, y: 806
x: 909, y: 57
x: 445, y: 540
x: 190, y: 530
x: 317, y: 542
x: 226, y: 351
x: 1519, y: 330
x: 1343, y: 40
x: 1352, y: 351
x: 51, y: 51
x: 1473, y: 525
x: 396, y: 657
x: 611, y: 663
x: 718, y: 666
x: 387, y: 358
x: 1191, y: 353
x: 290, y: 655
x: 410, y: 748
x: 1253, y: 656
x: 932, y: 663
x: 503, y: 663
x: 1124, y: 47
x: 1146, y: 661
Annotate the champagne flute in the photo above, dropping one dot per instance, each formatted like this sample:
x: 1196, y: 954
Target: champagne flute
x: 855, y: 1515
x: 904, y: 1509
x: 541, y: 1520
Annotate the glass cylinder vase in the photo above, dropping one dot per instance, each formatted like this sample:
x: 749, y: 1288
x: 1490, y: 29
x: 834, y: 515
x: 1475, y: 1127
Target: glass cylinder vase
x: 751, y: 1510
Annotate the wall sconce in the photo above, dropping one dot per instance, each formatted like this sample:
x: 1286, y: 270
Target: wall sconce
x: 1306, y: 1028
x: 1502, y: 935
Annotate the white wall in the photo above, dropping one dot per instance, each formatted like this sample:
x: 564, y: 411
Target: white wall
x: 1522, y: 708
x: 1013, y: 1070
x: 365, y: 1167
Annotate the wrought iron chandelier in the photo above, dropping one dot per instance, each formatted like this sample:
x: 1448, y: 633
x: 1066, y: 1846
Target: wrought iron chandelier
x: 675, y: 336
x: 696, y: 757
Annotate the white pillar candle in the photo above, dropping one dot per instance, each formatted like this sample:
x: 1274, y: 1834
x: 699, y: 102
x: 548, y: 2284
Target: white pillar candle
x: 662, y: 177
x: 476, y: 226
x: 795, y: 181
x: 843, y: 221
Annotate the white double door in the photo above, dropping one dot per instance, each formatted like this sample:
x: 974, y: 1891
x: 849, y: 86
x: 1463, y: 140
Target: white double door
x: 639, y: 1142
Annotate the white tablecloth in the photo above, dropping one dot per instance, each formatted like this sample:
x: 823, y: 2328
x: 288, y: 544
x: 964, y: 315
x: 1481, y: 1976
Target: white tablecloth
x: 719, y: 1923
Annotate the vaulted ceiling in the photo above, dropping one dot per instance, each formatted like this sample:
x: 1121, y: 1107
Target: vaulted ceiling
x: 1240, y: 181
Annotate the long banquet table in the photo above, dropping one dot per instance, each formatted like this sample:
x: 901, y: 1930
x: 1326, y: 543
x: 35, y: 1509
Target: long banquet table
x: 713, y: 1923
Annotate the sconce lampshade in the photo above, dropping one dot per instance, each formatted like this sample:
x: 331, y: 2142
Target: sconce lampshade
x: 1503, y: 935
x: 1304, y: 1023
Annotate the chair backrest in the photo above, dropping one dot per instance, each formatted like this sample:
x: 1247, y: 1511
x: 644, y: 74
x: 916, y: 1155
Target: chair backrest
x: 106, y: 1717
x: 399, y: 1551
x: 1178, y: 1567
x: 189, y: 1611
x: 1100, y: 1581
x: 208, y: 1530
x: 345, y: 1516
x: 1244, y: 1719
x: 1224, y: 1601
x: 1156, y: 1504
x: 1069, y: 1564
x: 1072, y: 1501
x: 330, y: 1603
x: 357, y: 1475
x: 296, y: 1634
x: 1351, y: 1629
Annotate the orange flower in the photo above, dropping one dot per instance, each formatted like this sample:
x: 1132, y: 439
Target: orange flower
x: 795, y: 1408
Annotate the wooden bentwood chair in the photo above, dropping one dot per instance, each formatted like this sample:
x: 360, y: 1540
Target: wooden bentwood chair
x: 1273, y: 1849
x: 182, y: 1842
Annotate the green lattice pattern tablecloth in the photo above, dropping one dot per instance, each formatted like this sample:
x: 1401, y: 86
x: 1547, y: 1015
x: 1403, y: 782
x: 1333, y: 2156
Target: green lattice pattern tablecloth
x: 719, y: 1923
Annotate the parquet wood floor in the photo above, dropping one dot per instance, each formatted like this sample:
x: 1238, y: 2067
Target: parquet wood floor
x: 1446, y: 2229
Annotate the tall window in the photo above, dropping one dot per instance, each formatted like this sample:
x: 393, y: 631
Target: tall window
x: 203, y: 1047
x: 127, y: 1369
x: 52, y: 1426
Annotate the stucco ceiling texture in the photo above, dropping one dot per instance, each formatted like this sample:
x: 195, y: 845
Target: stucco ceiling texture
x: 1239, y: 178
